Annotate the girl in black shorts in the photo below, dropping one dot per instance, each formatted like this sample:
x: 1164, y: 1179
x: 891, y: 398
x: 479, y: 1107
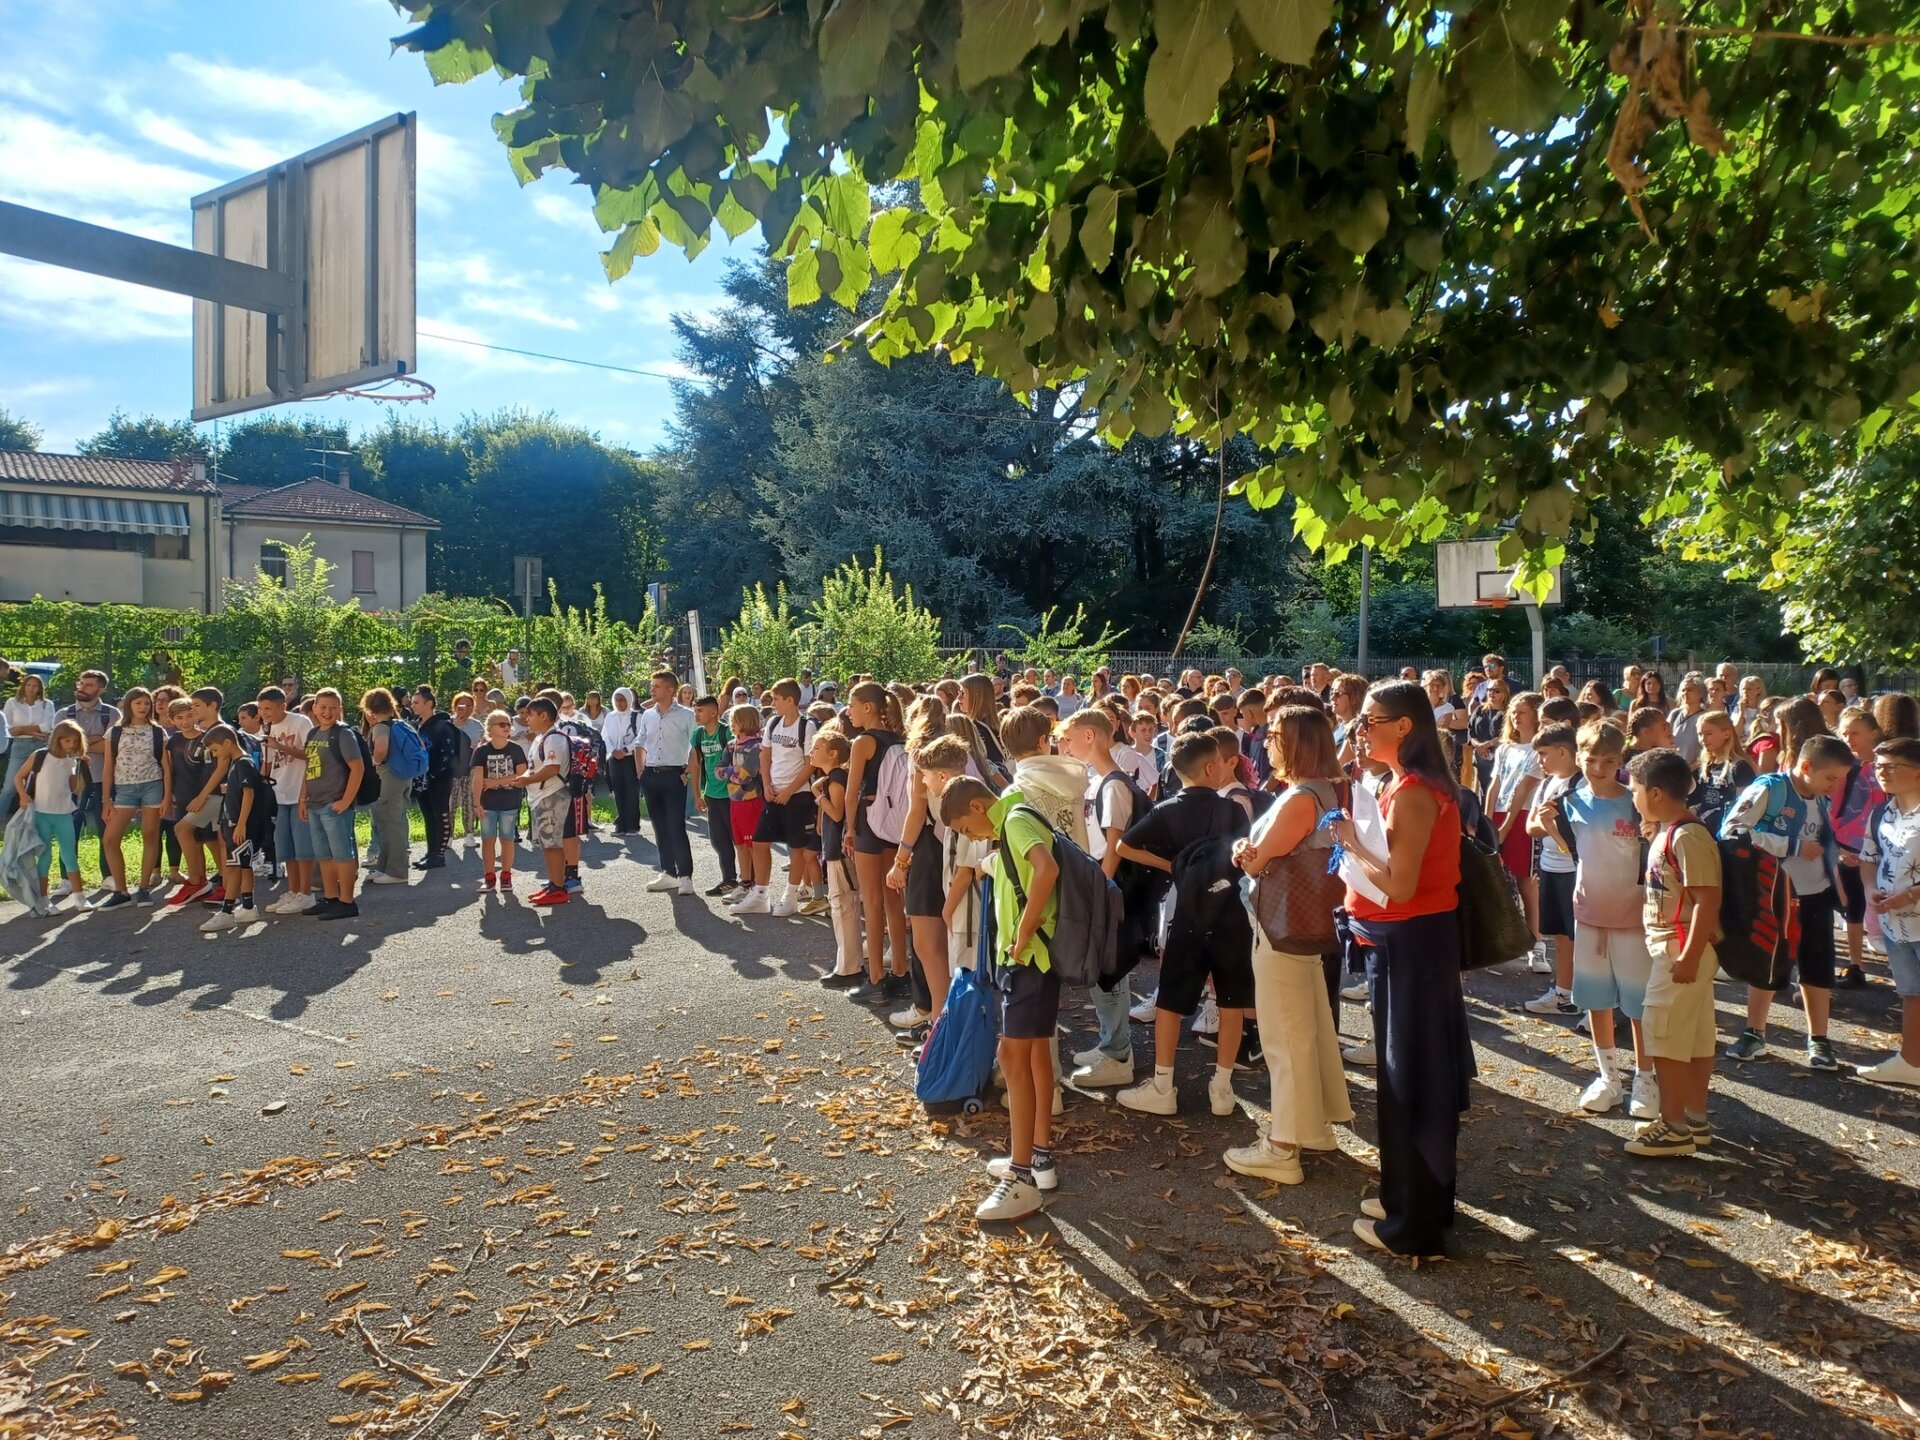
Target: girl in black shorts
x: 875, y: 717
x: 916, y: 868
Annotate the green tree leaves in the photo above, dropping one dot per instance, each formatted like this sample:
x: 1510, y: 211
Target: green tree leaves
x: 995, y: 36
x: 1288, y: 30
x: 1192, y: 58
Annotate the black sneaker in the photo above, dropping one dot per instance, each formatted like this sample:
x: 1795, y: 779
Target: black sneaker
x: 113, y: 901
x: 342, y: 910
x: 895, y: 986
x: 1853, y: 978
x: 843, y: 982
x: 1820, y: 1054
x: 325, y: 910
x: 867, y: 990
x: 722, y: 888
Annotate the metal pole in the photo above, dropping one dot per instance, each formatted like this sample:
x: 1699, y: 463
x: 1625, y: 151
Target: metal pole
x: 76, y: 245
x: 1537, y: 622
x: 1366, y: 599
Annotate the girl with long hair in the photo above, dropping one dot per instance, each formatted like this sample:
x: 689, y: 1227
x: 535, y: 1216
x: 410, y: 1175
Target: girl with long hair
x: 1406, y: 918
x: 1516, y: 775
x: 875, y: 715
x: 138, y: 788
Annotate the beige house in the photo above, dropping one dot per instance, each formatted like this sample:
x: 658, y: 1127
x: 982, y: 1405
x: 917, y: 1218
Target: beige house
x: 378, y: 551
x: 158, y: 533
x: 131, y: 532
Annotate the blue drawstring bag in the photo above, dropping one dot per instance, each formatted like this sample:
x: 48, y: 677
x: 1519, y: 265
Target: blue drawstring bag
x: 956, y: 1063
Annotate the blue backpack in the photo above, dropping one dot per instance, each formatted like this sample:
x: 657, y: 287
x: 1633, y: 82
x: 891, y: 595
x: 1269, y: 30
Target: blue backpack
x: 956, y: 1063
x: 406, y: 755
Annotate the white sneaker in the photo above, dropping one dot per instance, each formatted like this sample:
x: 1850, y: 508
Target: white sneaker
x: 1552, y: 1001
x: 1645, y: 1104
x: 60, y: 891
x: 787, y: 905
x: 1360, y: 1055
x: 380, y: 877
x: 1045, y: 1177
x: 1540, y: 960
x: 911, y: 1018
x: 1358, y: 992
x: 223, y: 920
x: 1263, y: 1162
x: 1220, y: 1093
x: 754, y: 902
x: 1206, y: 1020
x: 1011, y: 1200
x: 1102, y: 1071
x: 301, y: 903
x: 1090, y: 1056
x: 1894, y: 1070
x: 1149, y: 1099
x: 686, y: 885
x: 1143, y: 1011
x: 1601, y: 1096
x: 662, y: 883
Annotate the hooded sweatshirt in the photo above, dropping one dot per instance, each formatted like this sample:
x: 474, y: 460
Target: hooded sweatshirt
x: 618, y: 727
x: 1056, y: 786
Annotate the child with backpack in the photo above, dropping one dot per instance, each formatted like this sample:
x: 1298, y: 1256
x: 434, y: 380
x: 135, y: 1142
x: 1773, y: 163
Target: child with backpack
x: 545, y: 781
x: 1611, y: 962
x: 199, y: 800
x: 336, y: 765
x: 829, y: 762
x: 1786, y: 815
x: 787, y: 815
x: 1681, y: 919
x: 1891, y: 857
x: 246, y: 824
x: 1853, y: 804
x: 50, y: 784
x: 741, y: 769
x: 398, y: 759
x: 136, y: 780
x: 877, y: 792
x: 1114, y: 802
x: 1723, y: 771
x: 1024, y: 906
x: 1557, y: 746
x: 1167, y: 839
x: 497, y: 766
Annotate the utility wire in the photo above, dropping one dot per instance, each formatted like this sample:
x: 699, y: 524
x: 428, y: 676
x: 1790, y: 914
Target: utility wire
x: 558, y: 359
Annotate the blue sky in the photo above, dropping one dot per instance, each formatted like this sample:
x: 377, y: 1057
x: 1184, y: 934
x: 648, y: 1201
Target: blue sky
x: 119, y: 111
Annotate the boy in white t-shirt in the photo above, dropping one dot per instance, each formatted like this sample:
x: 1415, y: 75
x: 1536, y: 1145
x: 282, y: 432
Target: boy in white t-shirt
x: 1891, y: 857
x: 789, y: 816
x: 545, y: 781
x: 283, y: 758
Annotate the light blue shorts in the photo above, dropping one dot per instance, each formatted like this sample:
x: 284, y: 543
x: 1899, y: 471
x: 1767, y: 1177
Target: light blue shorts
x: 329, y: 836
x: 1903, y: 959
x: 500, y: 824
x: 142, y: 796
x: 290, y: 835
x: 1610, y: 969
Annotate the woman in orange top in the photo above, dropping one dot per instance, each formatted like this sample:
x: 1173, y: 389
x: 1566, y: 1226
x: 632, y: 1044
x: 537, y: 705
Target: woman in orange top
x: 1413, y: 969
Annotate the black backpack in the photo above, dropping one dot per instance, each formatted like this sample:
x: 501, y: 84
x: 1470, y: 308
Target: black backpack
x: 369, y: 790
x: 159, y: 741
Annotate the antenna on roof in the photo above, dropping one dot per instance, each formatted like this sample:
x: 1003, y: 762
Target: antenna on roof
x: 326, y: 460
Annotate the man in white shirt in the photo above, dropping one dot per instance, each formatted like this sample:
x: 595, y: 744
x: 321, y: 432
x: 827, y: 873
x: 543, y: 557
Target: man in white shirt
x: 663, y: 750
x: 283, y: 757
x: 509, y: 669
x: 807, y: 691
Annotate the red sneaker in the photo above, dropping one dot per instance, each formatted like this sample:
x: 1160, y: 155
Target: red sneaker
x: 548, y: 895
x: 215, y: 896
x: 486, y: 883
x: 187, y: 892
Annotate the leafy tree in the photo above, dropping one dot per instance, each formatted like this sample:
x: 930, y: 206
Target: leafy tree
x: 767, y: 642
x: 146, y: 438
x: 868, y: 626
x: 1063, y: 645
x: 17, y: 433
x: 275, y: 450
x: 295, y: 627
x: 1495, y: 261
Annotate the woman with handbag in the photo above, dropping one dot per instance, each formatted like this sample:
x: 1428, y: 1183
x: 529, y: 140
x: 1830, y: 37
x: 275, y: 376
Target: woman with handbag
x: 1292, y: 897
x: 1407, y: 915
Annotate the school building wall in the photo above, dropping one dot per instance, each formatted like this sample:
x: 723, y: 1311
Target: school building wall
x: 398, y: 567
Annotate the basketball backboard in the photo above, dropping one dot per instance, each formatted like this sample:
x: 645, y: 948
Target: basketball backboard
x: 339, y: 222
x: 1468, y: 574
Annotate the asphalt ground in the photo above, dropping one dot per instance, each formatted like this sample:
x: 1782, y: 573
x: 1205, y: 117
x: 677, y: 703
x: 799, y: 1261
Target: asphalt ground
x: 626, y: 1169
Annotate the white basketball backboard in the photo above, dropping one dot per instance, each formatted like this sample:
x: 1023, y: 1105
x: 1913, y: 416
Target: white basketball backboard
x: 338, y: 220
x: 1468, y: 574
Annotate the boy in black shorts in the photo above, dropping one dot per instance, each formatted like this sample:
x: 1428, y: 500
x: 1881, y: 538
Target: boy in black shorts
x: 1196, y: 811
x: 1025, y: 911
x: 789, y: 816
x: 244, y: 827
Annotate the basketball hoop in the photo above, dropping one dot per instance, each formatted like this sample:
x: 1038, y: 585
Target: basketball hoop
x: 394, y: 390
x: 1495, y: 602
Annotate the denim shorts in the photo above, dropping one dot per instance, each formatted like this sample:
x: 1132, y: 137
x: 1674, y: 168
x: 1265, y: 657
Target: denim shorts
x: 290, y: 840
x: 330, y: 836
x: 1903, y: 959
x: 142, y: 796
x: 500, y: 824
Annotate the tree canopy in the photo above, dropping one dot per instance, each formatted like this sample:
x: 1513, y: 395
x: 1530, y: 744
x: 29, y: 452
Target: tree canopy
x: 1493, y: 260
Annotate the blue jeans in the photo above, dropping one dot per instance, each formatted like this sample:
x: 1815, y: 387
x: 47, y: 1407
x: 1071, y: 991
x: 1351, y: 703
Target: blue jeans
x: 290, y: 842
x: 1116, y: 1030
x: 145, y: 795
x: 18, y: 753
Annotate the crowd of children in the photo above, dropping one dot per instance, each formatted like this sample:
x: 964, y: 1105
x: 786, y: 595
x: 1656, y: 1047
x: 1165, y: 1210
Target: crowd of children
x: 1267, y: 842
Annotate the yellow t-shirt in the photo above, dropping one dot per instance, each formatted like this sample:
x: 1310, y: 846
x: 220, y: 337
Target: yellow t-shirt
x: 1682, y: 856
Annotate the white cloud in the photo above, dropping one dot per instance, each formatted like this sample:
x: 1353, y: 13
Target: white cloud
x: 241, y: 154
x: 572, y: 210
x: 328, y: 103
x: 80, y: 173
x: 89, y: 307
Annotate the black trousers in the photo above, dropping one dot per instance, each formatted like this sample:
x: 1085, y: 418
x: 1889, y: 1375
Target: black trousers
x: 625, y: 780
x: 720, y: 832
x: 665, y: 790
x: 436, y: 808
x: 1426, y: 1062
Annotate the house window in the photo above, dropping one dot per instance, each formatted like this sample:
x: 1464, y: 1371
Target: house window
x: 273, y: 561
x: 170, y: 547
x: 363, y: 572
